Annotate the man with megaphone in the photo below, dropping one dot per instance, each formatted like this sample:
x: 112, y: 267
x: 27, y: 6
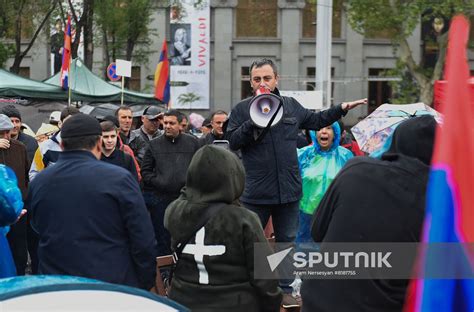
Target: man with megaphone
x: 265, y: 128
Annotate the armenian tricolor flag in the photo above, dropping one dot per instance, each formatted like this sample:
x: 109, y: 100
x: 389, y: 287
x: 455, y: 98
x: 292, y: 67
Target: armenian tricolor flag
x: 450, y: 197
x: 162, y: 76
x: 66, y: 62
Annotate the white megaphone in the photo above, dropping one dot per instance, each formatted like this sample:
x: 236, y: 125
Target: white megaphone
x: 263, y: 106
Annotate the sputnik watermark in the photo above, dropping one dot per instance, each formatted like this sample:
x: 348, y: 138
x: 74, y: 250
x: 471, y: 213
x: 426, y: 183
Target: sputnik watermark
x: 364, y: 261
x: 349, y: 259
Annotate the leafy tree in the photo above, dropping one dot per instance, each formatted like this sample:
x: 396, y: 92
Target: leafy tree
x: 124, y: 25
x: 22, y: 21
x: 398, y: 19
x: 5, y: 51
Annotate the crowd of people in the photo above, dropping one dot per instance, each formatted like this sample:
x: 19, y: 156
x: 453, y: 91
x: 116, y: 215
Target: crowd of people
x: 104, y: 200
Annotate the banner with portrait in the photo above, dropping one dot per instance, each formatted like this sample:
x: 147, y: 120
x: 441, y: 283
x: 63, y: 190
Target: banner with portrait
x: 189, y: 54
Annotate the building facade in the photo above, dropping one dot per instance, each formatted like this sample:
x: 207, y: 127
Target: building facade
x: 283, y: 30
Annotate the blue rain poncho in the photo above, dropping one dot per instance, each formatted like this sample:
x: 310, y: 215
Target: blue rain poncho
x: 11, y: 205
x: 318, y: 168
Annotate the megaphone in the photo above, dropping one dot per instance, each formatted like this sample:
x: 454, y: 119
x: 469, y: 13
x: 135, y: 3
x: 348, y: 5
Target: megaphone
x: 263, y: 106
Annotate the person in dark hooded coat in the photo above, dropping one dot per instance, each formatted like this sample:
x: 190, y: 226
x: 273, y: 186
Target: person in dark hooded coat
x: 224, y: 282
x: 374, y: 200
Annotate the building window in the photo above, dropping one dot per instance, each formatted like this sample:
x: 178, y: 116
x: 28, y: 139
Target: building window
x: 245, y: 87
x: 24, y: 72
x: 309, y: 18
x: 256, y: 18
x: 26, y: 28
x: 311, y: 75
x: 135, y: 79
x: 380, y: 91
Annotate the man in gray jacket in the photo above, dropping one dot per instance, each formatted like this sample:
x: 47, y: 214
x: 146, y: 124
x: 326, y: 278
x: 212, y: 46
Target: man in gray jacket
x: 140, y: 138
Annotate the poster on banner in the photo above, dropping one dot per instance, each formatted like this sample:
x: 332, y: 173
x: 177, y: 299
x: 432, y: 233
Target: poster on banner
x: 189, y: 54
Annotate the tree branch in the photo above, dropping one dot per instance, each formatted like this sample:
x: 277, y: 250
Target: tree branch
x: 40, y: 27
x: 406, y: 56
x: 63, y: 16
x: 73, y: 13
x: 442, y: 43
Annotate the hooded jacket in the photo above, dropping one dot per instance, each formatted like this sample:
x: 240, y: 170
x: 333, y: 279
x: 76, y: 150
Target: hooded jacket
x: 374, y: 200
x: 216, y: 175
x: 319, y: 168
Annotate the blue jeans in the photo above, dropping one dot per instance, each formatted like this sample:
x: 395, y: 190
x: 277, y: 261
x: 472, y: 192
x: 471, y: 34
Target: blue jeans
x: 285, y: 224
x: 284, y: 217
x: 157, y: 206
x: 304, y: 231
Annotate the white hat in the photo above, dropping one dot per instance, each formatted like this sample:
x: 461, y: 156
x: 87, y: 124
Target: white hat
x: 46, y: 129
x: 55, y: 117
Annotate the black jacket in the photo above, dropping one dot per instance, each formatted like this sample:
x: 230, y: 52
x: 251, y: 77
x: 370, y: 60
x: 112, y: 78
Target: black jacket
x: 374, y: 200
x: 217, y: 176
x: 166, y: 162
x: 30, y: 143
x: 139, y: 142
x: 271, y: 165
x: 122, y: 159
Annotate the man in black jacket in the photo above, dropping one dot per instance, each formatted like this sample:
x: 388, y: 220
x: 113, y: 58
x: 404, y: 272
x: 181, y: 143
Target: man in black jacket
x: 164, y: 169
x: 273, y: 182
x: 218, y: 118
x: 111, y: 153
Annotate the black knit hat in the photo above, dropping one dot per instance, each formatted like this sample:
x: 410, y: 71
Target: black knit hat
x: 80, y: 125
x: 11, y: 111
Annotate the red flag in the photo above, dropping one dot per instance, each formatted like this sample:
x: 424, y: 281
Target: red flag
x: 66, y: 62
x: 450, y: 200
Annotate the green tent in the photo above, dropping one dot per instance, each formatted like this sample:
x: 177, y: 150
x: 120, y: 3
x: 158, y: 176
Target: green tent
x: 88, y: 87
x: 12, y: 85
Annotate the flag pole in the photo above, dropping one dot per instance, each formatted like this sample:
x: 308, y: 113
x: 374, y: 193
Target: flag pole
x: 69, y: 84
x: 123, y: 84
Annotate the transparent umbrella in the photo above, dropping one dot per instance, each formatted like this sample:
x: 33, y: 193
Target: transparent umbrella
x: 372, y: 132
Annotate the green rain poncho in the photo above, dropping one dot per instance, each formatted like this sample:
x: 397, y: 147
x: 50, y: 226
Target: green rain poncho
x: 318, y: 168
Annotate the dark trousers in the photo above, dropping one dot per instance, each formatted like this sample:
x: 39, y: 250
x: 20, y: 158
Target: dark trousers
x: 285, y: 219
x: 157, y: 207
x: 33, y: 241
x: 17, y: 241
